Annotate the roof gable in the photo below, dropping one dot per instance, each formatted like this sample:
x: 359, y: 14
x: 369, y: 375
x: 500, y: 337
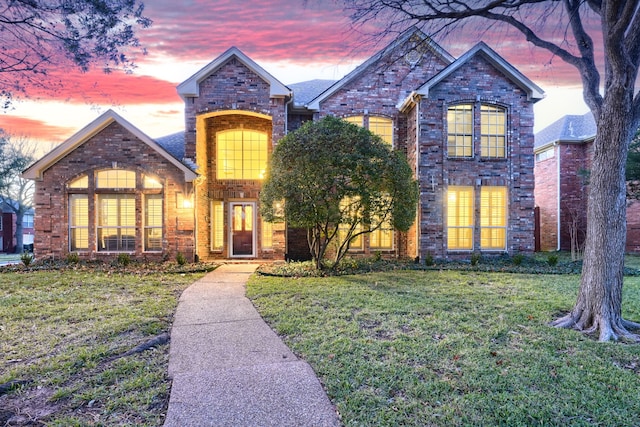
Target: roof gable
x: 533, y: 91
x: 191, y: 87
x: 36, y: 170
x: 429, y: 44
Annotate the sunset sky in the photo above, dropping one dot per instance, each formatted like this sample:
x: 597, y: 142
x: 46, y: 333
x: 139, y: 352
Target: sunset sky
x: 294, y: 40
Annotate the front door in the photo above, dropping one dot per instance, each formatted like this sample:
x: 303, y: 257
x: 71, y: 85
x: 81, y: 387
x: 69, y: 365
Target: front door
x: 242, y: 229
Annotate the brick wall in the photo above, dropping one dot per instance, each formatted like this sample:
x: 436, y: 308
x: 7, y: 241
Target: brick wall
x: 113, y: 146
x: 546, y: 195
x: 476, y: 82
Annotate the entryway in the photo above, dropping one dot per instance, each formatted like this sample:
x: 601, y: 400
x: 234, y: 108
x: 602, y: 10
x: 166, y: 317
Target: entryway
x: 243, y: 225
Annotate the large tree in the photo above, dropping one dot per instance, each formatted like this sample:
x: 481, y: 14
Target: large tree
x: 339, y: 181
x: 614, y: 102
x: 39, y: 36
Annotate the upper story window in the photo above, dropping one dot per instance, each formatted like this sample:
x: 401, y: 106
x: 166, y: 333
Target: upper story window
x: 27, y: 221
x: 381, y: 126
x: 241, y: 154
x: 493, y: 131
x: 460, y: 130
x: 489, y: 120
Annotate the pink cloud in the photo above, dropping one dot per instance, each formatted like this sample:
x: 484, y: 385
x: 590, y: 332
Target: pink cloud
x: 34, y: 129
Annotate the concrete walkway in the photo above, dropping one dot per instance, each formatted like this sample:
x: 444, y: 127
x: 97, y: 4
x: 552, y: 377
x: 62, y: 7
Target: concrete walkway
x: 230, y: 369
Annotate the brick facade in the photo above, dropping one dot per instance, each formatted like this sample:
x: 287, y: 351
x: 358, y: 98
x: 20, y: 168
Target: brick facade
x: 411, y: 82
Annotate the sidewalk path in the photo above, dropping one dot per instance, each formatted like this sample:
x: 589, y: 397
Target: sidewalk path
x: 230, y: 369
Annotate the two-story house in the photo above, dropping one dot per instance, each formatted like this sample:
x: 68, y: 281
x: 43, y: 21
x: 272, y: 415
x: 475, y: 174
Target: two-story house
x: 465, y: 125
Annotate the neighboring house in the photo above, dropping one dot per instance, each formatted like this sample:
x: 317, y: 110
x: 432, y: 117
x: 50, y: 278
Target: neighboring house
x: 8, y: 228
x: 465, y: 124
x: 564, y: 151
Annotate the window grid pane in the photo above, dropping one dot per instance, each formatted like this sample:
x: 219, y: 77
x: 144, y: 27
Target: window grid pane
x: 116, y: 223
x: 116, y: 178
x: 350, y: 205
x: 492, y: 131
x: 217, y: 225
x: 382, y: 238
x: 241, y: 154
x: 267, y: 234
x: 493, y: 218
x: 382, y: 127
x: 78, y: 222
x: 153, y: 223
x: 460, y: 131
x: 460, y: 218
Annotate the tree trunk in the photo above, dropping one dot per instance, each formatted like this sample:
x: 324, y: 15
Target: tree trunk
x: 19, y: 231
x: 598, y: 307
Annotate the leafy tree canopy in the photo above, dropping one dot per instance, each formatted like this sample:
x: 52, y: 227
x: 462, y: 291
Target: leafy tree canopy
x: 338, y: 181
x: 40, y: 35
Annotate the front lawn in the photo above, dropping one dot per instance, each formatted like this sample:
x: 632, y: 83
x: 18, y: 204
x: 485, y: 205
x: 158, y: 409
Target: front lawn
x: 448, y: 348
x: 61, y: 333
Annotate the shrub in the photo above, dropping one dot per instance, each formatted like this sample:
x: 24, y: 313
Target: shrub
x: 181, y: 259
x: 475, y: 258
x: 73, y: 258
x: 552, y: 260
x: 26, y: 258
x: 517, y: 259
x: 428, y: 260
x: 124, y: 259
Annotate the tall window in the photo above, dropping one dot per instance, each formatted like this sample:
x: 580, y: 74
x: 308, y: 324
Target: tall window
x: 460, y: 130
x: 267, y: 234
x: 460, y: 218
x: 116, y: 224
x: 492, y: 131
x: 382, y: 238
x: 351, y: 207
x: 153, y: 222
x: 493, y: 218
x: 78, y: 222
x: 241, y: 154
x: 217, y: 225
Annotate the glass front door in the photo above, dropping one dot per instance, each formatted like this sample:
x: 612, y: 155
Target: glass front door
x: 242, y: 229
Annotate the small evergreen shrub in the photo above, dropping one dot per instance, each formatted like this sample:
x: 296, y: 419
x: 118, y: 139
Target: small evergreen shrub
x: 428, y: 260
x: 517, y: 259
x: 124, y: 259
x: 73, y: 258
x: 26, y: 258
x: 181, y: 259
x: 475, y: 258
x: 552, y: 260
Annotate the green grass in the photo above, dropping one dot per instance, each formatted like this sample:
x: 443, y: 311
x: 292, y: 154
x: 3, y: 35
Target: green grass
x: 58, y: 330
x: 448, y: 348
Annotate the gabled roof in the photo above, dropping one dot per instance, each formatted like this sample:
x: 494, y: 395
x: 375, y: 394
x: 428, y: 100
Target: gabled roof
x: 532, y: 90
x: 569, y: 129
x: 403, y: 38
x: 191, y: 87
x: 36, y: 170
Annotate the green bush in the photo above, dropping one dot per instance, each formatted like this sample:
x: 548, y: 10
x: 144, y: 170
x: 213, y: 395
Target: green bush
x: 73, y: 258
x: 552, y: 260
x: 124, y: 259
x: 26, y: 258
x: 428, y: 260
x: 517, y: 259
x: 181, y: 259
x: 475, y: 258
